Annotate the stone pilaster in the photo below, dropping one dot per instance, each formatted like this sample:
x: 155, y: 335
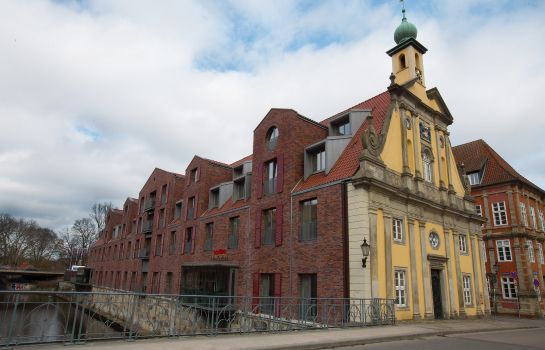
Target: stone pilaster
x: 476, y: 272
x: 461, y: 305
x: 428, y: 305
x: 388, y: 256
x: 373, y: 254
x: 414, y: 275
x: 449, y: 272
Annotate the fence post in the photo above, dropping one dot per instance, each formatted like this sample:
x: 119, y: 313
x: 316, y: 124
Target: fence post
x: 75, y: 319
x: 133, y: 312
x: 82, y: 317
x: 13, y: 321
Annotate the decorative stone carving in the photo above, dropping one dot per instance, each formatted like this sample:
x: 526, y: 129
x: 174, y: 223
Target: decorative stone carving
x: 371, y: 141
x: 465, y: 179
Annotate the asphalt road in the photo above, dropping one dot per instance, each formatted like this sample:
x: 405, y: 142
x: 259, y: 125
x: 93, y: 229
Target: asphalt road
x: 501, y: 340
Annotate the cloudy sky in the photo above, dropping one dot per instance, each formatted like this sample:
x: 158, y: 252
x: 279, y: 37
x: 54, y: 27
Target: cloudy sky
x: 95, y: 94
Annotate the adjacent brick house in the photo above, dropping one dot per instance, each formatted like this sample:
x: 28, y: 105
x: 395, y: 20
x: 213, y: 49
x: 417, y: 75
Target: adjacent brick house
x: 514, y: 231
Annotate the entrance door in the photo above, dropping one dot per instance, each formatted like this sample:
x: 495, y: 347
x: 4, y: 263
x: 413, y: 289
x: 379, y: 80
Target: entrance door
x: 436, y: 291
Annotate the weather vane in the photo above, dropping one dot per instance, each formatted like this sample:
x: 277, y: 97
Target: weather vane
x: 402, y: 7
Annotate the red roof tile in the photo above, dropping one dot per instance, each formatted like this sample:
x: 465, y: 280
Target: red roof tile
x: 477, y: 155
x: 348, y: 163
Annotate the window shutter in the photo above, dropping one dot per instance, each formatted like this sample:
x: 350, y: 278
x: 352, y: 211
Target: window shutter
x: 196, y: 210
x: 279, y: 172
x: 278, y: 226
x: 184, y: 237
x: 194, y: 238
x: 255, y: 301
x: 259, y: 181
x: 257, y: 231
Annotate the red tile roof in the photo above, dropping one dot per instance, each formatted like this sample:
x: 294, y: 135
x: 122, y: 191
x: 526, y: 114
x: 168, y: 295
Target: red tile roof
x: 477, y: 155
x: 348, y: 163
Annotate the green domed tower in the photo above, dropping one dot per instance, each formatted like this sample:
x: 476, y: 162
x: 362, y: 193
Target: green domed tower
x: 407, y: 64
x: 405, y: 30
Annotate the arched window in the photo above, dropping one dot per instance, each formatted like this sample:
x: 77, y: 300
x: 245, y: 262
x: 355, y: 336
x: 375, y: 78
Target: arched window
x: 417, y: 60
x: 402, y: 62
x: 426, y: 164
x: 272, y: 136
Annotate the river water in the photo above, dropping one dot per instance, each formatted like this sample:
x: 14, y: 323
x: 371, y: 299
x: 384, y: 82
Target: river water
x: 46, y: 318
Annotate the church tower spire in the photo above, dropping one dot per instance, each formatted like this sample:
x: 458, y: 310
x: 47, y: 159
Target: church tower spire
x: 407, y: 63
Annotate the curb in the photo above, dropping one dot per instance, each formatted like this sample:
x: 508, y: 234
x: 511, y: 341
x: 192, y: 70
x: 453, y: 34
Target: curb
x: 355, y: 342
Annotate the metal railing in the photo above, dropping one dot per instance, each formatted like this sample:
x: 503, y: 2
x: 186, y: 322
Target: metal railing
x: 149, y: 204
x: 77, y: 317
x: 143, y: 253
x: 147, y: 227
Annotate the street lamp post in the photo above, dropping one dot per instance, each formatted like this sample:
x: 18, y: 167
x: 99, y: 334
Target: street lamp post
x: 365, y: 248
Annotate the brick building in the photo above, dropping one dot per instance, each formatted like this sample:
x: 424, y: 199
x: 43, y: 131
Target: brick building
x: 289, y: 220
x: 514, y: 230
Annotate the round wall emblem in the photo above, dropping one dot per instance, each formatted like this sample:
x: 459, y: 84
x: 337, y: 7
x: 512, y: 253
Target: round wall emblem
x: 434, y: 240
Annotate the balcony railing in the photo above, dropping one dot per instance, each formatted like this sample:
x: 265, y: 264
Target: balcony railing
x: 147, y: 227
x: 143, y: 253
x: 269, y: 186
x: 149, y: 204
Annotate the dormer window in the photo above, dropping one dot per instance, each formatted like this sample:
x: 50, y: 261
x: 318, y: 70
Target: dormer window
x: 272, y: 137
x: 318, y: 160
x: 342, y: 127
x: 239, y: 189
x: 194, y: 175
x: 474, y: 178
x: 238, y: 171
x: 214, y: 198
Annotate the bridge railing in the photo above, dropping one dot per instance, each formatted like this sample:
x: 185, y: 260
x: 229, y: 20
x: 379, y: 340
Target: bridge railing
x: 77, y: 317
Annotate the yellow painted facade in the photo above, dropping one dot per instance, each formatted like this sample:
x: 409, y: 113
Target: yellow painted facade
x: 432, y: 265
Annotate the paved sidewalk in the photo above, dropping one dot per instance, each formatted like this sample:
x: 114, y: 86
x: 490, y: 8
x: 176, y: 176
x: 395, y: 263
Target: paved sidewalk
x: 314, y: 339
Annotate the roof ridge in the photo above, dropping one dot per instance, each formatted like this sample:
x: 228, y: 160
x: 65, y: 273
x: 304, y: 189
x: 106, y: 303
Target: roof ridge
x: 351, y: 108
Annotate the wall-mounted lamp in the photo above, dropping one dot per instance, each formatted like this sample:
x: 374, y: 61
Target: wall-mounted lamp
x: 364, y: 252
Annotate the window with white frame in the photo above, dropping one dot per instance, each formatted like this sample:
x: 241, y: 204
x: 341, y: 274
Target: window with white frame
x: 540, y: 253
x: 523, y: 217
x: 509, y: 290
x: 474, y: 178
x: 467, y: 289
x: 401, y: 287
x: 479, y: 210
x: 533, y: 217
x: 397, y: 230
x: 483, y: 251
x: 542, y: 220
x: 462, y: 242
x: 426, y: 160
x: 500, y: 214
x: 504, y: 250
x: 530, y: 247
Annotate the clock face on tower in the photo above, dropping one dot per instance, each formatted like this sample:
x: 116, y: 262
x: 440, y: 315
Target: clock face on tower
x: 434, y: 240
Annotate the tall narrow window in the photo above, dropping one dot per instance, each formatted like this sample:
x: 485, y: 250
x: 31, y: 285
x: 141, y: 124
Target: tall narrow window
x: 467, y: 290
x: 540, y: 253
x: 168, y: 283
x: 162, y: 218
x: 309, y: 220
x: 478, y: 210
x: 530, y: 247
x: 533, y: 218
x: 178, y: 210
x: 272, y: 137
x: 318, y: 161
x: 158, y: 245
x: 172, y: 243
x: 462, y: 241
x: 542, y: 220
x: 188, y: 243
x: 483, y: 251
x: 308, y: 293
x: 500, y: 214
x: 397, y: 230
x: 194, y: 175
x: 164, y: 194
x: 269, y: 227
x: 523, y: 217
x: 209, y: 237
x: 191, y: 208
x: 504, y: 250
x: 270, y: 177
x: 234, y: 224
x: 400, y: 288
x: 266, y: 293
x: 427, y: 166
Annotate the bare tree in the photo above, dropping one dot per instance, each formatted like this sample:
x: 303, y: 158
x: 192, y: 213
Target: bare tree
x: 98, y: 214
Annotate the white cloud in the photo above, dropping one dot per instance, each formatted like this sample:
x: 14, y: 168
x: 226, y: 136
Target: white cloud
x: 96, y: 94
